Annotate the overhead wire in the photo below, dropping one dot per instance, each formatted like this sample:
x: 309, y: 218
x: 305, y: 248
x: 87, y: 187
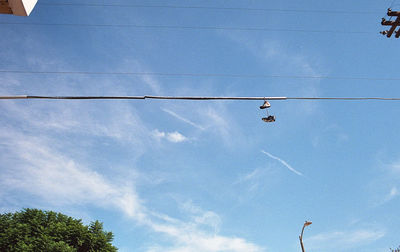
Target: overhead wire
x: 182, y: 27
x: 195, y: 74
x: 194, y: 27
x: 265, y: 29
x: 220, y: 75
x: 198, y: 98
x: 210, y: 8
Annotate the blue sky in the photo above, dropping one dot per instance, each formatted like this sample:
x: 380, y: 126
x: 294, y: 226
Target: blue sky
x: 206, y: 176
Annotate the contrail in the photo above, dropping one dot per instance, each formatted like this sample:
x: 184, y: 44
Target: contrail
x: 183, y: 119
x: 282, y: 162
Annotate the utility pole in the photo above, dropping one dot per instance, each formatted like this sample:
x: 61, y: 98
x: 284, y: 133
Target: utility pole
x: 393, y: 24
x: 306, y: 223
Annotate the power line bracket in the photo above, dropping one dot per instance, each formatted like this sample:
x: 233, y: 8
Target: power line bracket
x: 393, y: 24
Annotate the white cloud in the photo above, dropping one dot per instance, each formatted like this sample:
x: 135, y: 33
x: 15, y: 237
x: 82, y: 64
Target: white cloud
x: 174, y: 137
x: 158, y: 134
x: 283, y: 162
x: 189, y: 239
x: 340, y: 240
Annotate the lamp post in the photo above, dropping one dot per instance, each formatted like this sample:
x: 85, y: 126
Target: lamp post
x: 306, y: 223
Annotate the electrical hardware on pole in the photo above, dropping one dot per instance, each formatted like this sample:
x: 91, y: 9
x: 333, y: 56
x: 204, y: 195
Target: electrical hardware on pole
x: 393, y: 24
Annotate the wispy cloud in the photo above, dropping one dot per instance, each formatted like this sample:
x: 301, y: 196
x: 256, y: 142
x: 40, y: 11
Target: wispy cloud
x: 394, y: 168
x: 252, y: 175
x: 44, y: 172
x: 251, y: 179
x: 282, y: 162
x: 340, y: 240
x: 384, y: 187
x: 149, y: 80
x: 201, y: 217
x: 209, y: 244
x: 122, y: 125
x: 41, y: 163
x: 280, y: 58
x: 213, y: 119
x: 179, y: 117
x: 219, y: 122
x: 37, y: 162
x: 392, y: 194
x: 58, y: 179
x: 194, y: 236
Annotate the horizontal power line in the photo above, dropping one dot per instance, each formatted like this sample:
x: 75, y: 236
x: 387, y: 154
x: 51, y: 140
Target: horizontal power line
x: 260, y: 76
x: 212, y: 8
x: 198, y: 98
x: 182, y: 27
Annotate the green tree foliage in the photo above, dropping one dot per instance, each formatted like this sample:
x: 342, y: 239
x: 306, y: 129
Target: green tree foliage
x: 37, y: 230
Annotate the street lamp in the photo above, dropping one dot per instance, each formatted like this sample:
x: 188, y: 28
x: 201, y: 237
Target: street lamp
x: 306, y: 223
